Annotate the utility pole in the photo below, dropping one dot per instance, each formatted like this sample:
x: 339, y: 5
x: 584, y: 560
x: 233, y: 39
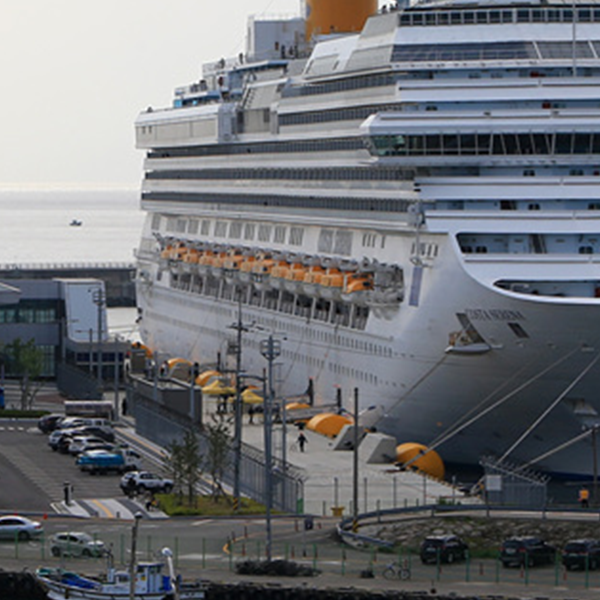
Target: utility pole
x: 268, y: 404
x: 355, y: 466
x: 99, y: 300
x: 595, y: 467
x: 132, y: 562
x: 238, y: 413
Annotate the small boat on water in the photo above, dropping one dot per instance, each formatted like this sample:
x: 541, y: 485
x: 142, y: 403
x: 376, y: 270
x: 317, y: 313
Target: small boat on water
x: 76, y: 223
x: 150, y: 583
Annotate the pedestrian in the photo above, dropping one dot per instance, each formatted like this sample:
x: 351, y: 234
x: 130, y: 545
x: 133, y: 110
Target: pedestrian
x: 251, y: 415
x: 302, y: 441
x: 584, y: 497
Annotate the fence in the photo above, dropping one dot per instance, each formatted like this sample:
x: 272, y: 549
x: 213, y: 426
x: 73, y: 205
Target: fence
x: 197, y: 556
x: 162, y: 425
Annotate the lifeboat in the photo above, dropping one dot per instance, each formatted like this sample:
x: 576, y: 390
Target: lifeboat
x: 358, y: 287
x: 418, y: 457
x: 205, y: 261
x: 312, y: 279
x: 278, y: 273
x: 294, y: 277
x: 332, y: 284
x: 246, y: 265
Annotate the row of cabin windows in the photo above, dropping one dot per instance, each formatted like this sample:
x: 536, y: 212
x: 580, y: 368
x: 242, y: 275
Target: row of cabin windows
x: 336, y: 241
x: 504, y: 15
x: 372, y: 204
x: 310, y: 146
x: 485, y: 144
x: 306, y: 174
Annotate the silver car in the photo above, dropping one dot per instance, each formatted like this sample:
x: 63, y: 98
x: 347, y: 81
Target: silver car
x: 76, y: 543
x: 20, y: 528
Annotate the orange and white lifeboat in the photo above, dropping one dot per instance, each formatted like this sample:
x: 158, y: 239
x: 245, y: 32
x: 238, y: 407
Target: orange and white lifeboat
x: 311, y: 282
x: 332, y: 283
x: 294, y: 277
x: 357, y: 287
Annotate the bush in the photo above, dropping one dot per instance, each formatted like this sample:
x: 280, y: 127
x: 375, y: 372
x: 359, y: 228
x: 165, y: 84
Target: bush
x: 175, y: 506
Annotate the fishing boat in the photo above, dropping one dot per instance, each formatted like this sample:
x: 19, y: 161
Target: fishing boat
x: 150, y: 583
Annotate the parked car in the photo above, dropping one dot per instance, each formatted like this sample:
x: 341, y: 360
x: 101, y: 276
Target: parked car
x: 119, y: 460
x: 49, y: 423
x: 581, y: 554
x: 76, y: 543
x: 526, y: 551
x: 21, y: 528
x: 83, y: 443
x: 55, y: 439
x: 443, y: 548
x: 144, y: 481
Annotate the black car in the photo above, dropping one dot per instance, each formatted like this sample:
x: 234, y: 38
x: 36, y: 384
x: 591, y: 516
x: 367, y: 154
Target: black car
x: 526, y: 551
x: 443, y: 548
x: 49, y: 423
x: 581, y: 554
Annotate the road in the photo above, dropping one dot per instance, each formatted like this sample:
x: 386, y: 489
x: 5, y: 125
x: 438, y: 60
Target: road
x: 32, y: 477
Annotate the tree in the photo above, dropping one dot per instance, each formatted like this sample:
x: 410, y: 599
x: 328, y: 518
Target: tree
x: 26, y: 361
x: 217, y: 457
x: 184, y: 465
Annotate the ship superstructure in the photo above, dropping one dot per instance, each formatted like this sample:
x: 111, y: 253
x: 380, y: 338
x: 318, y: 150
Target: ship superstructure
x: 412, y: 200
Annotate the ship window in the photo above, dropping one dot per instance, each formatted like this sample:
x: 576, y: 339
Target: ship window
x: 156, y: 222
x: 264, y: 233
x: 235, y: 230
x: 343, y: 242
x: 193, y: 226
x: 325, y: 240
x: 586, y: 250
x: 171, y: 224
x: 518, y: 330
x: 296, y: 236
x: 249, y: 231
x: 221, y: 228
x: 533, y: 206
x: 279, y: 237
x: 205, y: 229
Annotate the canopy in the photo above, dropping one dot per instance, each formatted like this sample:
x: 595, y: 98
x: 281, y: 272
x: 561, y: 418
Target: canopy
x: 218, y: 388
x: 251, y: 397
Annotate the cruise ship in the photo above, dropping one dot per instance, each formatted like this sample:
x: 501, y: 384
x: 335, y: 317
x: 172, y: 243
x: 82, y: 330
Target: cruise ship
x: 407, y: 198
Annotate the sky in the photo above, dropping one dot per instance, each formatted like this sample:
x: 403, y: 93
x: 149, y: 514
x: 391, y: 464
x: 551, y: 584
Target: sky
x: 74, y: 75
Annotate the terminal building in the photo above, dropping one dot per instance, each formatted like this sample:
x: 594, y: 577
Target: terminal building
x: 67, y: 319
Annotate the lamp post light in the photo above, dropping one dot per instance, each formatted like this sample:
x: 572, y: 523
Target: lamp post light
x: 267, y: 406
x: 99, y: 299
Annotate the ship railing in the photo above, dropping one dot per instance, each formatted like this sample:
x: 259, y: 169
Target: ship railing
x: 63, y: 266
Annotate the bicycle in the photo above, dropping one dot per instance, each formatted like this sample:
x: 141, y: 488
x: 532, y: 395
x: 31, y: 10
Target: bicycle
x: 396, y: 570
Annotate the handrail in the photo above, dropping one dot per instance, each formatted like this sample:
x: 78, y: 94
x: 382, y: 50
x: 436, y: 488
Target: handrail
x: 67, y: 265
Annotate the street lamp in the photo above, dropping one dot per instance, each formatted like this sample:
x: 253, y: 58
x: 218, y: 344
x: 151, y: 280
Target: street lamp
x: 99, y: 299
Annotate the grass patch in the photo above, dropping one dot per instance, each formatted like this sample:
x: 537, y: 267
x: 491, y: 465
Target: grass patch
x: 172, y: 505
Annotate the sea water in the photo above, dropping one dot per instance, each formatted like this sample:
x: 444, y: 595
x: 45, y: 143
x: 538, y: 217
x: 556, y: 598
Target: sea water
x: 36, y: 225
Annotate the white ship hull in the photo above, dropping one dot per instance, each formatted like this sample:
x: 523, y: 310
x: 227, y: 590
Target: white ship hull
x: 402, y: 363
x: 440, y: 169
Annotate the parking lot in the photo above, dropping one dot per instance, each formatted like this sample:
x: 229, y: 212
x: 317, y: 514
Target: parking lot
x: 34, y: 476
